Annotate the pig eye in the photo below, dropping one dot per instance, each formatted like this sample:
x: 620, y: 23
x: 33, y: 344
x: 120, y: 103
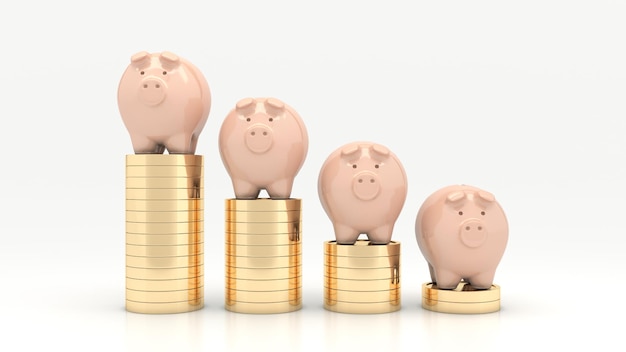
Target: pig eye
x: 271, y: 119
x: 354, y: 166
x: 377, y: 166
x: 248, y: 119
x: 482, y: 212
x: 460, y: 213
x: 141, y: 73
x: 164, y: 73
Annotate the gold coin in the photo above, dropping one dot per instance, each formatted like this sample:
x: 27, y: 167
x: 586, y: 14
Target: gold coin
x: 362, y: 308
x: 146, y: 171
x: 164, y: 240
x: 164, y: 228
x: 164, y: 216
x: 164, y: 262
x: 362, y: 248
x: 263, y: 308
x: 188, y: 205
x: 263, y: 274
x: 263, y: 204
x: 165, y: 251
x: 262, y: 240
x: 164, y: 296
x: 362, y: 296
x: 164, y: 273
x: 165, y: 285
x: 264, y: 251
x: 263, y: 285
x: 164, y: 159
x: 361, y: 274
x: 462, y: 300
x: 362, y: 262
x: 360, y: 285
x: 165, y: 308
x: 264, y: 296
x: 164, y: 182
x: 262, y: 262
x: 164, y: 194
x: 263, y: 216
x: 294, y: 229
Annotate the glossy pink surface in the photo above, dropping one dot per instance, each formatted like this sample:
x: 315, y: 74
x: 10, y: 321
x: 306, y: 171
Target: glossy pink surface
x: 462, y: 232
x: 164, y: 101
x: 362, y: 187
x: 263, y: 143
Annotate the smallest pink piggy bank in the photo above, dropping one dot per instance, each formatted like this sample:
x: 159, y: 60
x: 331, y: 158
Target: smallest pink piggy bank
x: 164, y: 101
x: 462, y: 232
x: 362, y: 187
x: 263, y: 143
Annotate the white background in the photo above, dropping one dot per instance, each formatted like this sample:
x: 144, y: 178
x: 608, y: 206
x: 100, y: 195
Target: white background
x: 523, y: 99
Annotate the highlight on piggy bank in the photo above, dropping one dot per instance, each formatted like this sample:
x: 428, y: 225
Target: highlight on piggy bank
x: 164, y: 101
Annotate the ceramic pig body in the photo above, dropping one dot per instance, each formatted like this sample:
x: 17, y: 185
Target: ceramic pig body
x: 462, y: 232
x: 362, y: 187
x: 164, y: 101
x: 263, y: 143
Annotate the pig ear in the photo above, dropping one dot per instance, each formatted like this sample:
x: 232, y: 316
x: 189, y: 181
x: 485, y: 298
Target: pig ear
x: 169, y: 60
x: 274, y: 107
x: 456, y: 198
x: 379, y: 152
x: 141, y: 59
x: 351, y: 152
x: 486, y: 196
x: 246, y: 106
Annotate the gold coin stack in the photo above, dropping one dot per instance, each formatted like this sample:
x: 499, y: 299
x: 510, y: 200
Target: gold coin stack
x: 164, y: 233
x: 464, y: 299
x: 263, y: 255
x: 362, y: 278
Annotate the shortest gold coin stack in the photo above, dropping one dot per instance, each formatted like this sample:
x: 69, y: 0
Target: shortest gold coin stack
x: 263, y: 255
x: 464, y: 299
x: 362, y: 278
x: 164, y: 233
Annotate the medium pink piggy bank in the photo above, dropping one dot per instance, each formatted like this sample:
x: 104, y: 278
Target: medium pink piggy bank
x: 362, y: 187
x: 462, y: 232
x: 263, y: 143
x: 164, y: 102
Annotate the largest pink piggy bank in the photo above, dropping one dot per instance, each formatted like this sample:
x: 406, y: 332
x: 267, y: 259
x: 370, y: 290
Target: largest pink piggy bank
x: 462, y: 232
x: 263, y: 143
x: 362, y: 187
x: 164, y: 101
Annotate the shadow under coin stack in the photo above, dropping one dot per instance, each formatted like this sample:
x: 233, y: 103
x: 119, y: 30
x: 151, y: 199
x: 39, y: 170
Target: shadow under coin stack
x: 362, y: 278
x: 263, y: 255
x: 164, y: 233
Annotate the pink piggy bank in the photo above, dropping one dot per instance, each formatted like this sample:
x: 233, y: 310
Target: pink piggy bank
x: 362, y: 187
x: 164, y: 102
x: 462, y: 232
x: 263, y: 143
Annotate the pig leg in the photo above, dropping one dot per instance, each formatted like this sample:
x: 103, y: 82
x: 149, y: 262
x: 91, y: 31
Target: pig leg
x: 245, y: 190
x: 447, y: 279
x: 380, y: 235
x: 345, y: 234
x: 144, y: 145
x: 433, y: 278
x: 280, y: 189
x: 482, y: 281
x: 180, y: 143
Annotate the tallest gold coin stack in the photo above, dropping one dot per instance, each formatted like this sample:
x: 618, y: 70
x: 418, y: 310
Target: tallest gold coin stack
x: 164, y: 233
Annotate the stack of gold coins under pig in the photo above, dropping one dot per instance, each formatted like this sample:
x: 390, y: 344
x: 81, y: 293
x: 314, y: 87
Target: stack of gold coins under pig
x: 362, y: 278
x: 164, y: 233
x: 263, y: 255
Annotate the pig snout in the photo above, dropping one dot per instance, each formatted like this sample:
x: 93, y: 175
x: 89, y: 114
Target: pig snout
x: 365, y: 185
x: 152, y: 91
x: 473, y: 233
x: 259, y: 138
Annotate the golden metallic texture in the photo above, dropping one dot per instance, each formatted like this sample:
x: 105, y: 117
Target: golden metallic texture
x: 149, y: 171
x: 166, y: 183
x: 263, y: 285
x: 263, y: 251
x: 163, y: 194
x: 164, y: 273
x: 263, y: 216
x: 262, y: 262
x: 164, y: 262
x: 360, y: 285
x: 363, y: 262
x: 279, y: 239
x: 462, y: 300
x: 362, y: 273
x: 164, y: 296
x: 171, y: 205
x: 163, y: 216
x: 164, y: 160
x: 388, y: 295
x: 165, y: 285
x: 362, y: 308
x: 362, y: 248
x: 165, y: 308
x: 164, y: 240
x: 263, y: 308
x: 292, y: 229
x: 263, y: 274
x: 165, y: 251
x: 264, y: 296
x: 263, y: 205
